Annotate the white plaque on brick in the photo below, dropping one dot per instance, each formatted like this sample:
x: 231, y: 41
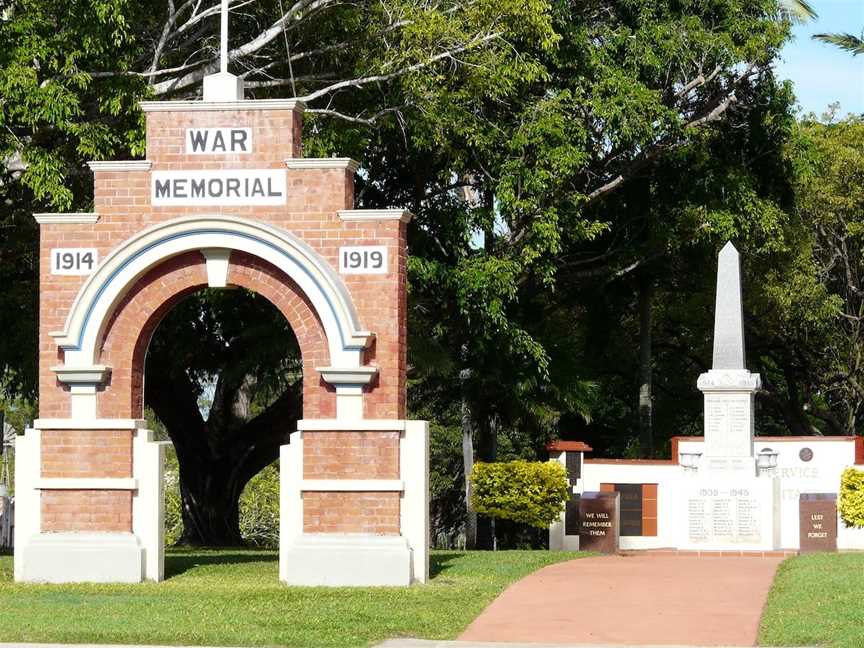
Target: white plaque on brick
x: 218, y: 141
x: 218, y: 187
x: 73, y: 261
x: 363, y: 259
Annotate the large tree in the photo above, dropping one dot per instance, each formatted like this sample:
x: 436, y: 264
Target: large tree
x: 561, y: 202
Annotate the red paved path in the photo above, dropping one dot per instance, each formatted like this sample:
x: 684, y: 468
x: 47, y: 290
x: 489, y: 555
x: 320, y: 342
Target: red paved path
x: 641, y: 599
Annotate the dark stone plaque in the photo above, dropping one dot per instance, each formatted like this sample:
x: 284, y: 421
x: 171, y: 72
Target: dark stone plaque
x: 631, y: 509
x: 571, y: 516
x: 818, y: 522
x: 574, y: 466
x: 599, y: 526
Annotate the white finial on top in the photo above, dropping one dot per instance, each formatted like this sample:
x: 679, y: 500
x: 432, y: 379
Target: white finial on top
x: 223, y: 86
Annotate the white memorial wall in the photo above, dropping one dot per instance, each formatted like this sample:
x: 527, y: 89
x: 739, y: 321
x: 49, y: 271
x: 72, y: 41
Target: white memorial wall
x: 730, y: 490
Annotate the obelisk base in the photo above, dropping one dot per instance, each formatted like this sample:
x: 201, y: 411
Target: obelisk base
x: 729, y: 397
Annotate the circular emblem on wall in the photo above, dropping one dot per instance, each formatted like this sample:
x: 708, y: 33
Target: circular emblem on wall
x: 806, y: 454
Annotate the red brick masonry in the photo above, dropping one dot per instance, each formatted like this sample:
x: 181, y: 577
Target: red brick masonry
x: 314, y: 197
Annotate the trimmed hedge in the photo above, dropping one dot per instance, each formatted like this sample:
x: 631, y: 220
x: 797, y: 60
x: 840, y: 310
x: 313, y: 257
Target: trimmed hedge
x: 852, y: 497
x: 532, y: 492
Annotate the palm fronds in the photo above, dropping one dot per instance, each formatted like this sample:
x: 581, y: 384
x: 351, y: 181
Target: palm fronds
x: 847, y: 42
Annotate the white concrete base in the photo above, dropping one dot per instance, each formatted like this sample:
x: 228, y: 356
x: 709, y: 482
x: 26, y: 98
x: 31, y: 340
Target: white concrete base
x: 560, y: 541
x: 347, y: 560
x: 82, y: 558
x: 223, y: 86
x: 849, y: 538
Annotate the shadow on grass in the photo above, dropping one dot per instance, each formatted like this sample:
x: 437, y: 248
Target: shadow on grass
x: 180, y: 561
x: 440, y: 562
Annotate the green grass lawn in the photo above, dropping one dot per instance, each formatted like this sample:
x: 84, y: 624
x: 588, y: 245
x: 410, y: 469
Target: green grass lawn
x: 816, y: 600
x: 234, y: 598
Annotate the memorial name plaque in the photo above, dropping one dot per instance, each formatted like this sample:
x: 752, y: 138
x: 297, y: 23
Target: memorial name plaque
x: 727, y: 425
x: 574, y: 466
x: 571, y: 516
x: 818, y: 522
x: 216, y: 141
x: 723, y: 516
x: 599, y: 526
x: 631, y: 509
x: 219, y: 187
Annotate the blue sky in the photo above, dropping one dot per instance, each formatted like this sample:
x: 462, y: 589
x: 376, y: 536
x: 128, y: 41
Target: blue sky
x: 823, y: 73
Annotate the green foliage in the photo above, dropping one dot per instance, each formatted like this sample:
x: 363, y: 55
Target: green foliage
x: 173, y: 501
x: 848, y: 42
x: 446, y: 485
x: 54, y: 113
x: 259, y: 509
x: 531, y: 492
x: 851, y: 503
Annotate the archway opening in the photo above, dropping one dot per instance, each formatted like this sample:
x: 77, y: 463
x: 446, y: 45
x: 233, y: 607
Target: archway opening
x: 224, y: 378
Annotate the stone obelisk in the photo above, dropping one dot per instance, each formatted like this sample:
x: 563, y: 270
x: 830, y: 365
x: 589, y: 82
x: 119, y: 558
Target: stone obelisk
x: 729, y: 388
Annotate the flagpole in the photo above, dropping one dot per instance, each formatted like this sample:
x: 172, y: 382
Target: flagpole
x: 223, y: 65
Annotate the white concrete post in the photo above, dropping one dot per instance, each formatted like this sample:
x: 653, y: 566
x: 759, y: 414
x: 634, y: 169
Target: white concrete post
x: 290, y: 499
x: 414, y: 509
x: 28, y: 468
x: 148, y: 502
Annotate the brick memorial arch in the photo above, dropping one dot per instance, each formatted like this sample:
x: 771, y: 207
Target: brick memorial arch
x: 223, y: 199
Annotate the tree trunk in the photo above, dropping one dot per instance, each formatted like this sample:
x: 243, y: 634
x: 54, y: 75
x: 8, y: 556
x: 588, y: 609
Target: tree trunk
x: 646, y: 388
x: 487, y: 450
x: 468, y: 463
x: 210, y: 504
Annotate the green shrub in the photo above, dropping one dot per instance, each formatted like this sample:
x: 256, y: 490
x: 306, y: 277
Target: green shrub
x: 532, y: 492
x: 852, y: 497
x: 173, y: 502
x: 259, y: 508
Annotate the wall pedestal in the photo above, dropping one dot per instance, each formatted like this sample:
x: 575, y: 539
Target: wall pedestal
x: 82, y: 558
x: 348, y: 561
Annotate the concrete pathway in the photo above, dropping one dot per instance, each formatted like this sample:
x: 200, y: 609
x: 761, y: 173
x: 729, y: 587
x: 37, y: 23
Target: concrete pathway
x: 633, y: 600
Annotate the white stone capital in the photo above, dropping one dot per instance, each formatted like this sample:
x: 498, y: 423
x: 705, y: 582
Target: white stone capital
x: 82, y: 376
x: 736, y: 380
x: 348, y: 376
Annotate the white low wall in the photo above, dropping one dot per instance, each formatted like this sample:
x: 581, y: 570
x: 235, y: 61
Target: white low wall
x: 829, y: 457
x: 804, y: 465
x: 665, y: 475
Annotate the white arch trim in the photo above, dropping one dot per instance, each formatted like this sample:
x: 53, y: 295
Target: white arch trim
x: 118, y: 272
